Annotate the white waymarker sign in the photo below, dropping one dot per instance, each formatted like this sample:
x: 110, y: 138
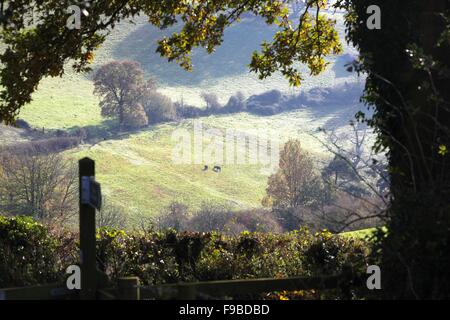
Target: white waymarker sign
x: 91, y: 192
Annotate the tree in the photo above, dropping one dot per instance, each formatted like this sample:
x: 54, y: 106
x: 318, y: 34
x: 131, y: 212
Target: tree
x: 406, y: 62
x: 121, y: 86
x: 339, y: 172
x: 357, y: 178
x: 36, y: 50
x: 175, y: 216
x: 407, y: 67
x: 110, y: 216
x: 354, y: 166
x: 236, y: 103
x: 295, y: 183
x: 135, y: 117
x: 211, y: 100
x: 43, y: 186
x: 159, y: 108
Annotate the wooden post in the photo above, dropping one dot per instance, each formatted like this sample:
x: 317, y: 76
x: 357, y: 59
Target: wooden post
x: 186, y: 292
x: 128, y: 288
x: 87, y: 236
x: 346, y: 282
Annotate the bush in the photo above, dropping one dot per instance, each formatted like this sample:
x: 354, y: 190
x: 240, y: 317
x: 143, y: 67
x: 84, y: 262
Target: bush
x: 209, y: 218
x: 235, y: 104
x: 135, y: 118
x: 174, y: 217
x: 81, y: 134
x: 256, y: 220
x: 29, y: 253
x: 267, y: 103
x: 186, y: 112
x: 218, y: 218
x: 159, y: 108
x: 22, y: 124
x: 267, y: 98
x: 61, y: 133
x: 263, y: 110
x: 328, y: 254
x: 212, y: 101
x: 33, y: 255
x: 170, y: 256
x: 44, y: 146
x: 110, y: 215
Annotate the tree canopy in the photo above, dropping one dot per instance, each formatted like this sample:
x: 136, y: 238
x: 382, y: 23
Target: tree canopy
x: 296, y: 183
x: 36, y: 49
x: 408, y: 76
x: 122, y: 87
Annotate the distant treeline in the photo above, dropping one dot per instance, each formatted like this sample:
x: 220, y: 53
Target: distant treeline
x: 43, y: 146
x: 159, y: 108
x: 273, y: 102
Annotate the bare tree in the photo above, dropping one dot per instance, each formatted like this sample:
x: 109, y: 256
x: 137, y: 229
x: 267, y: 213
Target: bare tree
x: 175, y: 216
x: 111, y: 216
x: 143, y: 223
x: 212, y: 101
x: 359, y: 163
x: 210, y: 217
x: 38, y: 185
x: 358, y: 176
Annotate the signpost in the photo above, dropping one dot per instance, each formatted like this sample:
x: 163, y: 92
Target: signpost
x: 90, y: 200
x: 91, y: 192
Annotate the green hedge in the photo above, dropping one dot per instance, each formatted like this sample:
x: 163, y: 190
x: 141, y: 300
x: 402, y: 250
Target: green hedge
x: 31, y: 254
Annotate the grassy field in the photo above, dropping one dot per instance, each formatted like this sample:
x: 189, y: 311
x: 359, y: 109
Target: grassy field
x: 63, y: 103
x: 359, y: 234
x: 136, y: 169
x: 138, y: 173
x: 363, y: 233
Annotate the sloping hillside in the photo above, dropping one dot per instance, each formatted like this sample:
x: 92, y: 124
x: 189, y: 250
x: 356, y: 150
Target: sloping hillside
x: 136, y: 170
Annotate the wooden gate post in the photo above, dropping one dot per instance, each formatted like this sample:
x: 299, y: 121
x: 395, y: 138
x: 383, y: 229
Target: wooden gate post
x: 87, y: 236
x: 128, y: 288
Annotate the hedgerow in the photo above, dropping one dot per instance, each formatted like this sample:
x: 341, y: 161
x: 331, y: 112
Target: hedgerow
x: 33, y: 254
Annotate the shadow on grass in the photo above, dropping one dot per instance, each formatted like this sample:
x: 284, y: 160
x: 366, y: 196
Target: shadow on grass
x: 108, y: 129
x: 341, y: 102
x: 340, y: 68
x: 231, y: 58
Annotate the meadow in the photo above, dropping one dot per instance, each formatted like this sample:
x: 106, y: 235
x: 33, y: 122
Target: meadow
x: 135, y: 168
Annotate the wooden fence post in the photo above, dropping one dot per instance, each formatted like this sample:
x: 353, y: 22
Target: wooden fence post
x: 346, y: 282
x: 128, y: 288
x: 186, y: 292
x: 87, y: 236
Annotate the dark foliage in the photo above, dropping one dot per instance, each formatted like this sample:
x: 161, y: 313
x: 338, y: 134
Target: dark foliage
x: 407, y: 67
x: 159, y: 108
x: 30, y: 255
x: 44, y: 146
x: 22, y: 124
x: 169, y: 256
